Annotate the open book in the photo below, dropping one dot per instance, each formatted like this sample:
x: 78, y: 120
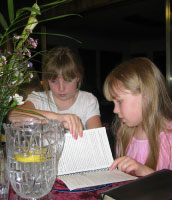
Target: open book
x: 84, y: 162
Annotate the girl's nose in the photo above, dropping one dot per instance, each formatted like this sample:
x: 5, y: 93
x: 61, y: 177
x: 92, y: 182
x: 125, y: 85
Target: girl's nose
x: 116, y: 109
x: 61, y: 85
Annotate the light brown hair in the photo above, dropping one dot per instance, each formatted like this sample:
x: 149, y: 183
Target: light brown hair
x: 140, y: 75
x: 62, y: 61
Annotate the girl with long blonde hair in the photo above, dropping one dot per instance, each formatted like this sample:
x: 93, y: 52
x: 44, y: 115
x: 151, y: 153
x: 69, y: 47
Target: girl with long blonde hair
x: 144, y: 117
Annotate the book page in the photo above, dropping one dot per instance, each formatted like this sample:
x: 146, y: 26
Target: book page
x: 89, y: 179
x: 91, y: 152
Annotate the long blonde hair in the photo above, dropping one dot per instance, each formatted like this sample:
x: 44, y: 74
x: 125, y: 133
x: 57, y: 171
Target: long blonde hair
x: 140, y: 75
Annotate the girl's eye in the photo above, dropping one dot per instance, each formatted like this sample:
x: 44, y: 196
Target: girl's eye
x: 68, y: 80
x: 52, y: 81
x: 119, y: 101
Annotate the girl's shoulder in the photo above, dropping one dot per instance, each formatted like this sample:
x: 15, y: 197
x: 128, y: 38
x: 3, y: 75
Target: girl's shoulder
x: 167, y: 132
x: 37, y: 94
x: 86, y: 95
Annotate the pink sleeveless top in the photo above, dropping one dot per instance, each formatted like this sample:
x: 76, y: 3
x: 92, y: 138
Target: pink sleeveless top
x: 138, y: 150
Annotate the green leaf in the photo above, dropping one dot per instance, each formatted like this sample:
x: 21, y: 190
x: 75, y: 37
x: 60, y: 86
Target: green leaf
x: 20, y: 11
x: 3, y: 21
x: 27, y: 112
x: 58, y: 17
x: 59, y: 35
x: 11, y: 10
x: 55, y: 3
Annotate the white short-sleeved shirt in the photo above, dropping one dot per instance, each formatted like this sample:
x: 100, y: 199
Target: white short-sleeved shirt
x: 85, y: 106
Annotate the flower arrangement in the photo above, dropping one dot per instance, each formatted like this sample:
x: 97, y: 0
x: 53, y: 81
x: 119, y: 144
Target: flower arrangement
x: 16, y: 63
x: 14, y: 70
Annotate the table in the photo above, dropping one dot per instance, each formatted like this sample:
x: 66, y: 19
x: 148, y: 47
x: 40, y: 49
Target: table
x: 61, y: 192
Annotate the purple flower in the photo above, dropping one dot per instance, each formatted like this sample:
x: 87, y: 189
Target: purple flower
x: 33, y: 42
x: 29, y: 54
x: 10, y: 84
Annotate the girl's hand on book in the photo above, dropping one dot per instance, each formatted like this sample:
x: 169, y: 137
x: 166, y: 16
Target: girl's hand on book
x: 129, y: 165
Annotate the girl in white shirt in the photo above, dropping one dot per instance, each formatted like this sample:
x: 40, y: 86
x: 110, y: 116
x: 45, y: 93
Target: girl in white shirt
x: 62, y: 99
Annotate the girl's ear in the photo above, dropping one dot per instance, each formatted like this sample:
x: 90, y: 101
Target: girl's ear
x: 78, y: 83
